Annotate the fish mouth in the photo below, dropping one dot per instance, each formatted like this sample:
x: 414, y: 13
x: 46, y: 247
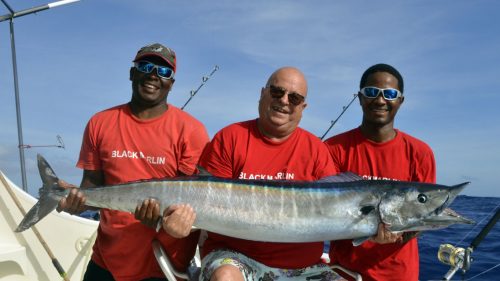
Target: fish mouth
x: 443, y: 206
x: 446, y: 217
x: 443, y: 215
x: 453, y: 193
x: 442, y: 220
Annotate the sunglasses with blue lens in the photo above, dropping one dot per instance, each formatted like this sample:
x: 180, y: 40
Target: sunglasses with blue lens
x: 388, y: 94
x: 147, y: 67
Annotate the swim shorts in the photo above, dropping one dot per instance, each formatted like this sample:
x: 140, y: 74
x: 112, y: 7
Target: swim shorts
x: 256, y: 271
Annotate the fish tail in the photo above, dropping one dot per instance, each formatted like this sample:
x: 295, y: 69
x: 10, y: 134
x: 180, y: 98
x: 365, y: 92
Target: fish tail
x: 47, y: 201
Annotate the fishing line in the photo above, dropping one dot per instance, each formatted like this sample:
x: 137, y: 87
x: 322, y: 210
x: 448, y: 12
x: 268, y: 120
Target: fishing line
x: 477, y: 224
x: 460, y: 258
x: 487, y: 270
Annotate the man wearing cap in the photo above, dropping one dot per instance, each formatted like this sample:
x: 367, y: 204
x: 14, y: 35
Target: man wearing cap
x: 146, y: 138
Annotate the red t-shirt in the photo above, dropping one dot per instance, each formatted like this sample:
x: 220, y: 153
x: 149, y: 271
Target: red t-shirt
x: 128, y: 149
x: 404, y: 158
x: 240, y: 151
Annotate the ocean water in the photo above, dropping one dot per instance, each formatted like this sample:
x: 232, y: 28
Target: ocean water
x: 486, y: 256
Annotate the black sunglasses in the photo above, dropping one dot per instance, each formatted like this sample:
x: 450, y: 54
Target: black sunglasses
x: 278, y: 92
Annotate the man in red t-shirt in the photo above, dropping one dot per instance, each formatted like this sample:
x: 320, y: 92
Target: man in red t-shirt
x: 376, y: 150
x: 146, y: 138
x: 271, y: 147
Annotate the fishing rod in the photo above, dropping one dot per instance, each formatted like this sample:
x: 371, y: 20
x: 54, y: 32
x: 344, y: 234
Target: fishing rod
x: 204, y: 79
x: 460, y: 258
x: 59, y: 145
x: 344, y: 108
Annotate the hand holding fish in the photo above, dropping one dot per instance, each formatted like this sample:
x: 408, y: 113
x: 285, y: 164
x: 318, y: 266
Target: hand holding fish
x: 74, y: 203
x: 385, y: 236
x: 148, y: 212
x: 178, y: 220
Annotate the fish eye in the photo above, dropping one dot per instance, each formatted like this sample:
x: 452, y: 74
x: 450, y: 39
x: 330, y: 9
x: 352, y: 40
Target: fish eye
x: 422, y: 198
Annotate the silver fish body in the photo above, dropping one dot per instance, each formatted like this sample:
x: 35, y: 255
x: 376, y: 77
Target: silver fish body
x: 338, y: 207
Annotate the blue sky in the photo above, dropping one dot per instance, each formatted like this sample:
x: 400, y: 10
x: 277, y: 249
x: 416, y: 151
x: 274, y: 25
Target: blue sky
x: 74, y: 60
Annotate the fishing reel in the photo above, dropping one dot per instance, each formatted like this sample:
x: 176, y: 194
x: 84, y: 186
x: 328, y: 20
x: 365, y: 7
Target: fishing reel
x: 460, y: 258
x: 456, y: 257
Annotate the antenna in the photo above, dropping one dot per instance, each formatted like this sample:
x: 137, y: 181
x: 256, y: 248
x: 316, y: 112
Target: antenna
x: 13, y: 14
x: 344, y: 108
x: 59, y: 145
x: 204, y: 79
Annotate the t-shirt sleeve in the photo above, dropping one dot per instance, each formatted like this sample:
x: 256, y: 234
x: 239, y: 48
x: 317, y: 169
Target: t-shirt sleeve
x: 216, y: 158
x: 89, y: 155
x: 325, y: 164
x: 425, y: 167
x: 193, y: 147
x: 335, y: 152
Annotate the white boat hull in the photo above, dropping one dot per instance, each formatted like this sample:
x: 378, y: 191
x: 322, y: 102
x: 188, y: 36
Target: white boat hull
x: 22, y: 255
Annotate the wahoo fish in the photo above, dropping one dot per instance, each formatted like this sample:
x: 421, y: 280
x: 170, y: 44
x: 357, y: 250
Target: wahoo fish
x: 337, y: 207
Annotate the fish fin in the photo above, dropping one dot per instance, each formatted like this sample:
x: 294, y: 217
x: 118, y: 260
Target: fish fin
x: 203, y: 172
x: 358, y: 241
x: 42, y: 208
x: 342, y: 177
x: 47, y: 202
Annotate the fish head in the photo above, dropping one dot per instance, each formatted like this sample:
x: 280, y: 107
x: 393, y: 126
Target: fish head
x: 420, y: 207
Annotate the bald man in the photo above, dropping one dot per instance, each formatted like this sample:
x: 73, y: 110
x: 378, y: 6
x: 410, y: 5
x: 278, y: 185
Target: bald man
x: 271, y: 147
